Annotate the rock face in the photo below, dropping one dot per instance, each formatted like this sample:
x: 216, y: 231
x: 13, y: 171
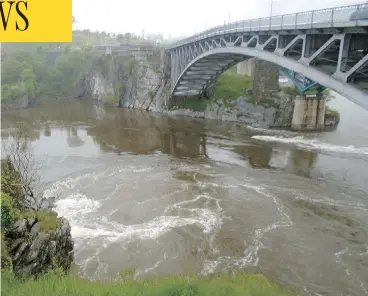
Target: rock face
x: 100, y: 86
x: 34, y: 251
x: 245, y: 112
x: 134, y: 84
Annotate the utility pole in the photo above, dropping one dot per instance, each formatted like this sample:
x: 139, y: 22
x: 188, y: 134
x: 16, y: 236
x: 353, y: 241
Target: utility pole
x: 271, y: 7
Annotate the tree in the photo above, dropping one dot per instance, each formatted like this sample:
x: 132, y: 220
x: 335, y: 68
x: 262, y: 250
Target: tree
x: 128, y: 36
x: 10, y: 71
x: 120, y: 37
x: 19, y: 171
x: 28, y: 77
x: 73, y: 19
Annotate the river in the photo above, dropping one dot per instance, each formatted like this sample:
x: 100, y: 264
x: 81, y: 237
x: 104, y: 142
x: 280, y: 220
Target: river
x: 171, y: 195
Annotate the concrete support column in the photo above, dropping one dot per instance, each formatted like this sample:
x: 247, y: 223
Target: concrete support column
x: 309, y: 113
x: 321, y: 110
x: 266, y: 79
x: 297, y: 122
x: 246, y: 68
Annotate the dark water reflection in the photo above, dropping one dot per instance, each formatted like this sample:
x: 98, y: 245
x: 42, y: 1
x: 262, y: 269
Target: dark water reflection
x: 140, y: 132
x: 170, y: 194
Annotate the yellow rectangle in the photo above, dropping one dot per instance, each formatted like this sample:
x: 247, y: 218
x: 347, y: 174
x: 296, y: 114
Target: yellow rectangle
x: 48, y: 21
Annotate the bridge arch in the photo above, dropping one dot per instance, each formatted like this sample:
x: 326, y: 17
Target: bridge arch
x: 231, y: 55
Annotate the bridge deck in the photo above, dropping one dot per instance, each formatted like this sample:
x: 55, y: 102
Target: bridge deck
x: 338, y: 17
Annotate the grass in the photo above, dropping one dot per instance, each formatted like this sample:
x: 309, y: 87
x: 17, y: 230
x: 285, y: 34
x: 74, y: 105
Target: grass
x: 57, y: 284
x: 48, y: 220
x: 6, y: 260
x: 110, y: 99
x: 195, y: 104
x: 231, y: 85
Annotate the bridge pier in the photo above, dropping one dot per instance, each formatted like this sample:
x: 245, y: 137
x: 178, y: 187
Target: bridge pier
x: 309, y: 113
x: 265, y: 74
x: 266, y: 79
x: 246, y: 67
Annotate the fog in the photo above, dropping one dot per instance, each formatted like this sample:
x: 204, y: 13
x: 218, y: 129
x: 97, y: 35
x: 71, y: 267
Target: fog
x: 179, y: 18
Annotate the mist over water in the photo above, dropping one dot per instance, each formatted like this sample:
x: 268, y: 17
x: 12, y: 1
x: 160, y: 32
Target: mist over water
x: 170, y: 195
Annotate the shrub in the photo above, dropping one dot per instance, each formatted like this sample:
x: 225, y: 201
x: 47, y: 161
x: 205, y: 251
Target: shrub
x: 48, y: 219
x: 193, y: 104
x: 6, y: 261
x: 9, y: 213
x: 11, y: 185
x: 289, y: 90
x: 332, y: 112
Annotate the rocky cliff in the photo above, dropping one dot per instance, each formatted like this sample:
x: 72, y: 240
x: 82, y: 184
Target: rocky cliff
x: 33, y: 238
x: 129, y: 83
x: 145, y: 84
x: 35, y: 245
x: 145, y: 87
x: 277, y: 112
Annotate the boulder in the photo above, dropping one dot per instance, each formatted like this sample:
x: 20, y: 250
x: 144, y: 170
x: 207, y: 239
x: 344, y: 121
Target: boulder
x: 34, y: 250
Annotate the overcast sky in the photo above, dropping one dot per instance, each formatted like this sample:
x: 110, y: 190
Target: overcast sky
x: 183, y: 17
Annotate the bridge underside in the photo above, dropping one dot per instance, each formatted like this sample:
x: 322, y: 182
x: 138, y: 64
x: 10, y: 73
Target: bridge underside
x: 338, y: 60
x: 202, y: 74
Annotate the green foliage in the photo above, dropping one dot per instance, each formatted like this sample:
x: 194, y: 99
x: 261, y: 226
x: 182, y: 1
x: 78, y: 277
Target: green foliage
x: 127, y: 274
x: 293, y: 91
x: 289, y: 90
x: 120, y: 88
x: 231, y: 85
x: 25, y: 72
x: 48, y: 219
x: 6, y: 261
x: 28, y: 77
x: 9, y: 213
x: 10, y: 71
x: 11, y: 184
x: 11, y: 91
x: 325, y: 92
x: 57, y: 284
x: 332, y: 112
x: 111, y: 99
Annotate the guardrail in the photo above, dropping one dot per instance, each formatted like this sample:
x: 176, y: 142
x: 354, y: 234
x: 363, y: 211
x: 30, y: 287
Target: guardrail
x: 302, y: 20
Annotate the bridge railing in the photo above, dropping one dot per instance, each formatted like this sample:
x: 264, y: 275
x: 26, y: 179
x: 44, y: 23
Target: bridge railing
x: 330, y: 17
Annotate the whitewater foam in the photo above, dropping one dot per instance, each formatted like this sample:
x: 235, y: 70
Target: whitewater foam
x: 250, y: 257
x: 76, y: 204
x: 88, y: 226
x: 313, y: 144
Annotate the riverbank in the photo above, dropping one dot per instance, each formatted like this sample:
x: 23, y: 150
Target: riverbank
x: 231, y: 99
x: 144, y: 84
x: 57, y: 284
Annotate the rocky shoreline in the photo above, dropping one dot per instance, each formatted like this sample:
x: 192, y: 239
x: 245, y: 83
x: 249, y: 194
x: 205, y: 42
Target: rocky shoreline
x: 34, y: 239
x: 139, y: 85
x: 35, y: 249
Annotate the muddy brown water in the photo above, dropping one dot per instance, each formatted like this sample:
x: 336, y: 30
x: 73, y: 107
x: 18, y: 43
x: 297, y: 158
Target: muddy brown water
x: 169, y: 195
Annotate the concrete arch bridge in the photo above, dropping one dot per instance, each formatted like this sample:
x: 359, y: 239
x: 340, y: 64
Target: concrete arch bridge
x: 328, y: 48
